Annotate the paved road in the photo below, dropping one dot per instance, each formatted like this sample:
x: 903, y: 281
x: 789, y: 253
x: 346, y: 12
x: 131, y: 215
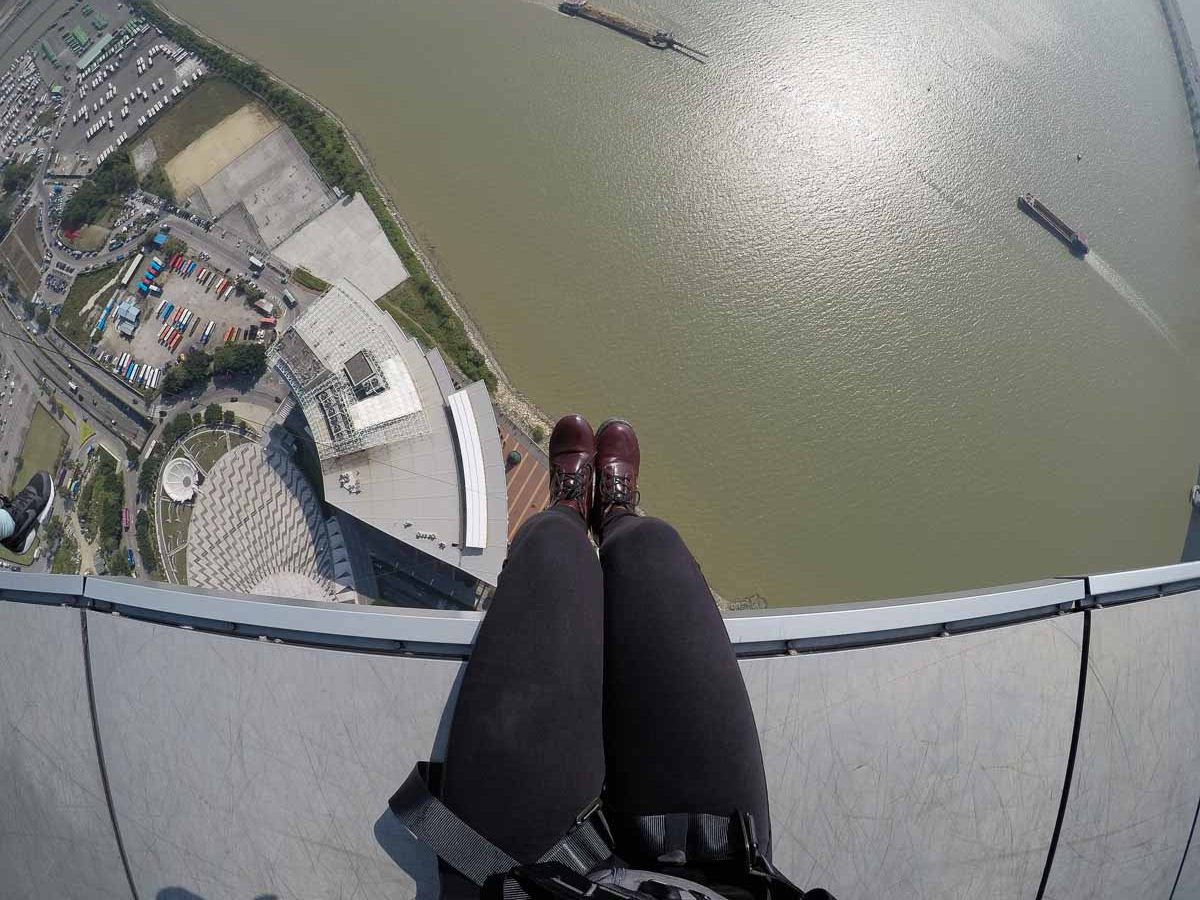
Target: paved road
x: 18, y: 355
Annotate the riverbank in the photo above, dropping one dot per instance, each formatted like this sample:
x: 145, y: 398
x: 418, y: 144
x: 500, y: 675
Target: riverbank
x: 426, y: 283
x: 1189, y: 70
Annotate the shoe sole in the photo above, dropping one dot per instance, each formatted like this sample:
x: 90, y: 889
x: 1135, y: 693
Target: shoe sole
x: 42, y: 516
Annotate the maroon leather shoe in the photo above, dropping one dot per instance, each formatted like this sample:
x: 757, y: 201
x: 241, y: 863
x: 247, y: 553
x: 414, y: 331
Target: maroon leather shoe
x: 572, y: 451
x: 618, y: 458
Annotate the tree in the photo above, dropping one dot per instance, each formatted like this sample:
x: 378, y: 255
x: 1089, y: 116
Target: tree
x: 197, y: 420
x: 43, y: 319
x: 228, y: 417
x: 247, y: 361
x: 176, y: 428
x: 100, y: 504
x: 156, y: 182
x: 118, y: 564
x: 28, y: 308
x: 17, y: 176
x: 212, y: 414
x: 66, y: 560
x: 131, y: 454
x: 52, y: 531
x: 115, y: 177
x: 192, y: 372
x: 172, y: 246
x: 145, y: 541
x: 539, y: 434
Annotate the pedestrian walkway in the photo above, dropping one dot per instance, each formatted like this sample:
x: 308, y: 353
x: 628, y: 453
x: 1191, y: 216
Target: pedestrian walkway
x: 528, y: 481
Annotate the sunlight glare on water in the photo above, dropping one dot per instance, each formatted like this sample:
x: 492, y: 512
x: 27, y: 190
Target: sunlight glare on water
x: 856, y: 369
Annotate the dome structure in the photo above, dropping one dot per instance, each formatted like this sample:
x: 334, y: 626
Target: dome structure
x: 179, y: 479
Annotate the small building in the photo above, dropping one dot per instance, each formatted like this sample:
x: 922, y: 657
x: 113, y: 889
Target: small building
x: 160, y: 239
x: 77, y: 39
x: 86, y: 60
x: 127, y: 313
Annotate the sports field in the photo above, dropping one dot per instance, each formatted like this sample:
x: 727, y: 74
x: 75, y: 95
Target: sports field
x: 189, y: 117
x: 218, y: 147
x: 42, y: 449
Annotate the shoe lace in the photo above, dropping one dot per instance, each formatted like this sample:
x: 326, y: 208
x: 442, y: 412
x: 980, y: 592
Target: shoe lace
x: 572, y: 485
x: 617, y: 487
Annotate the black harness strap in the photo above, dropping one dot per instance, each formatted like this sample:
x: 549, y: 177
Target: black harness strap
x: 699, y: 837
x: 585, y: 846
x: 673, y: 838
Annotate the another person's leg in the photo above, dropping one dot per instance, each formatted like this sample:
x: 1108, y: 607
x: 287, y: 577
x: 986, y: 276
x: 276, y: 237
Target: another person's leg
x: 21, y: 516
x: 679, y: 730
x: 525, y: 752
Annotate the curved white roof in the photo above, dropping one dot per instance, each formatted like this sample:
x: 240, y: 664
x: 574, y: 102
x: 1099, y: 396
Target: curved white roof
x: 179, y: 479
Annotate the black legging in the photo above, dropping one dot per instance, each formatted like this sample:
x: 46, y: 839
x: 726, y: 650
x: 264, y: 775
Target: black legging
x: 587, y: 673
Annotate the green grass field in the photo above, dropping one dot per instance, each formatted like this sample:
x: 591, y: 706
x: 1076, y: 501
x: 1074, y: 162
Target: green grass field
x: 192, y: 115
x: 302, y: 276
x: 91, y: 237
x: 174, y: 522
x: 71, y: 323
x: 43, y: 447
x: 22, y: 560
x: 207, y: 448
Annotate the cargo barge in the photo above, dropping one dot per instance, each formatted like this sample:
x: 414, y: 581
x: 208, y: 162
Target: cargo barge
x: 655, y: 37
x: 1035, y: 209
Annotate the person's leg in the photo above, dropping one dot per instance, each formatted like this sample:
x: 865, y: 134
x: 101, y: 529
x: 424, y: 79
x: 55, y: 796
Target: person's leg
x: 21, y: 516
x: 525, y: 751
x: 679, y: 732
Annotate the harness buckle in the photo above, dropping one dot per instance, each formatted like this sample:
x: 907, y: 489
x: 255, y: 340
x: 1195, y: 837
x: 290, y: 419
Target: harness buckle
x: 556, y: 879
x: 749, y: 841
x: 590, y: 810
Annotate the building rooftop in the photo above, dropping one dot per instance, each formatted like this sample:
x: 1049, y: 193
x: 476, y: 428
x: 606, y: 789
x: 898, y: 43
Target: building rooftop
x: 400, y: 449
x: 258, y: 528
x: 94, y: 53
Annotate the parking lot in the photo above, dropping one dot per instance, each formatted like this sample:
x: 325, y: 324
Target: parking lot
x: 184, y: 293
x: 118, y: 95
